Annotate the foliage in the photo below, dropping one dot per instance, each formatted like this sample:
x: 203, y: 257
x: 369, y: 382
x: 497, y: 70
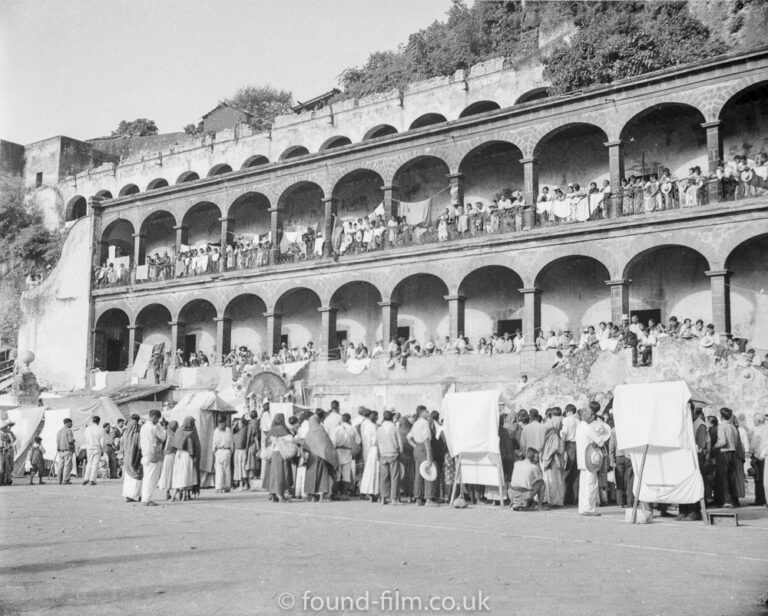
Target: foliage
x: 620, y: 40
x: 265, y: 103
x: 194, y: 129
x: 140, y: 127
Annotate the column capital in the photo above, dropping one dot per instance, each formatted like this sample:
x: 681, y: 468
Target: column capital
x: 528, y: 160
x: 531, y: 290
x: 95, y: 204
x: 389, y: 187
x: 135, y: 235
x: 179, y: 227
x: 613, y: 144
x: 327, y: 309
x: 454, y: 176
x: 455, y: 298
x: 134, y: 327
x: 226, y: 219
x: 719, y: 273
x: 277, y: 208
x: 388, y: 304
x: 330, y: 200
x: 619, y: 282
x: 175, y: 323
x: 713, y: 124
x: 273, y: 314
x: 222, y: 319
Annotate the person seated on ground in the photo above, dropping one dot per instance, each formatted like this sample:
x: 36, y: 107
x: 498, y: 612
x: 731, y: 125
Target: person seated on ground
x: 526, y: 488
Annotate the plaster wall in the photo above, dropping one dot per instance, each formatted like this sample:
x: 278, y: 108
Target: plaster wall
x: 576, y: 156
x: 359, y: 196
x: 301, y: 319
x: 486, y: 174
x: 574, y: 294
x: 745, y: 126
x: 159, y: 237
x: 492, y: 295
x: 249, y: 326
x: 250, y: 217
x: 303, y: 208
x: 749, y: 292
x: 359, y: 314
x: 423, y: 308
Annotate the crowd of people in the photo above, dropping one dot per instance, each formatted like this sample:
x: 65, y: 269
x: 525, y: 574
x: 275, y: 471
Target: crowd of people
x: 547, y: 458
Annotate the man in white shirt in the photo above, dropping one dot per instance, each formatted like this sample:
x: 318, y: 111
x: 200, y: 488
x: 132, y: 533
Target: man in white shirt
x: 94, y: 447
x: 759, y: 454
x: 332, y: 419
x: 568, y: 434
x: 151, y: 440
x: 588, y: 485
x: 420, y: 438
x: 222, y: 454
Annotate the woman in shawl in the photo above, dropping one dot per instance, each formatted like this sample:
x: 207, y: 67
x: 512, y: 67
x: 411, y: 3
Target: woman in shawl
x: 508, y: 443
x: 322, y: 460
x: 280, y: 475
x: 169, y: 455
x: 553, y: 462
x: 369, y: 481
x: 185, y: 465
x: 406, y: 458
x: 132, y: 468
x: 301, y: 461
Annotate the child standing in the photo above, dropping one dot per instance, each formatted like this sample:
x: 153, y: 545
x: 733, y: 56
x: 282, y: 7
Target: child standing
x: 36, y: 460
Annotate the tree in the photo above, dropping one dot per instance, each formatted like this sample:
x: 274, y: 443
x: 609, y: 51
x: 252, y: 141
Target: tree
x: 194, y: 129
x: 140, y: 127
x: 265, y: 103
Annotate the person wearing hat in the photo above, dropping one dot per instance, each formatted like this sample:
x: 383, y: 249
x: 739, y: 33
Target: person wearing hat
x: 526, y: 488
x: 589, y: 459
x: 65, y: 450
x: 95, y: 442
x: 6, y: 452
x: 420, y: 438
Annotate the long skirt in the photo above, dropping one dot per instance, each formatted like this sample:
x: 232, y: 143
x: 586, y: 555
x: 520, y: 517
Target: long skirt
x: 184, y: 474
x: 319, y: 476
x: 131, y: 487
x: 280, y: 475
x: 369, y: 484
x: 554, y: 483
x: 167, y: 474
x: 587, y: 491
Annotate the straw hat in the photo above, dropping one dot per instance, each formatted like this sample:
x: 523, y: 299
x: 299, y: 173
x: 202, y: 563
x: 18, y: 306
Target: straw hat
x: 593, y: 458
x: 428, y: 471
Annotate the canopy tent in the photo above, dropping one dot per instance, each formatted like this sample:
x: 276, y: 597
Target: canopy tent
x: 203, y: 407
x: 28, y: 422
x: 653, y: 425
x: 81, y: 411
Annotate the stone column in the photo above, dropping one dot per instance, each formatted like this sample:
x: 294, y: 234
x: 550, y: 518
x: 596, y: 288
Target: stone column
x: 329, y: 210
x: 619, y: 298
x: 714, y: 156
x: 174, y: 337
x: 388, y: 321
x: 455, y: 315
x: 274, y: 330
x: 223, y: 335
x: 530, y: 180
x: 180, y: 229
x: 132, y: 343
x: 328, y: 339
x: 275, y: 221
x: 721, y: 299
x: 390, y: 200
x: 531, y: 316
x: 137, y: 237
x: 224, y: 237
x: 457, y: 188
x: 616, y: 165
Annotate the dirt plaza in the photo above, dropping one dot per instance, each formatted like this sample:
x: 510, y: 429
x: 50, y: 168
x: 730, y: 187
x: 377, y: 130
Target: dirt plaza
x: 82, y: 550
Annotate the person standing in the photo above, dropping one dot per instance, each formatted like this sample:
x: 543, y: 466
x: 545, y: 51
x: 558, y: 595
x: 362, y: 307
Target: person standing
x: 132, y: 469
x: 65, y: 450
x: 345, y: 439
x: 759, y: 451
x: 726, y: 490
x: 222, y: 455
x: 568, y: 434
x: 169, y: 455
x: 406, y: 456
x: 389, y: 447
x: 369, y: 482
x: 151, y: 439
x: 253, y: 437
x: 109, y: 450
x: 322, y: 460
x: 95, y: 442
x: 333, y: 419
x: 588, y: 486
x: 240, y: 443
x: 420, y: 438
x: 186, y: 443
x: 553, y: 462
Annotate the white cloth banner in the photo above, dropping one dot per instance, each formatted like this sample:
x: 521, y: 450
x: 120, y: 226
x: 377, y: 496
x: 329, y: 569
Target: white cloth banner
x: 471, y: 422
x: 142, y: 272
x: 609, y: 344
x: 54, y: 421
x: 358, y: 366
x: 595, y: 201
x: 141, y: 363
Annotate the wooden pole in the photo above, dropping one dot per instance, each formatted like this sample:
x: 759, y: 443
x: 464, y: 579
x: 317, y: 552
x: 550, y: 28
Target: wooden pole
x: 640, y: 486
x: 455, y: 480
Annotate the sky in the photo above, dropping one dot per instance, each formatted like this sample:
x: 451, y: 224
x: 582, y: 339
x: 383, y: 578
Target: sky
x: 79, y: 67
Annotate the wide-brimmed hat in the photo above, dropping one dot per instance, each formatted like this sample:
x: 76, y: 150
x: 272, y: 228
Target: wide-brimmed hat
x: 428, y: 471
x: 593, y: 458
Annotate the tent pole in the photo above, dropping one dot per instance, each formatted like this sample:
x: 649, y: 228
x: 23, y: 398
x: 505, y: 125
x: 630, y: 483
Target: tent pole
x: 704, y: 514
x: 501, y: 482
x: 455, y: 480
x: 640, y: 486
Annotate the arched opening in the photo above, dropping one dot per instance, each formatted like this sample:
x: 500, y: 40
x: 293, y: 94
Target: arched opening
x: 490, y: 169
x: 574, y: 153
x: 158, y: 236
x: 117, y: 248
x: 219, y: 170
x: 744, y: 123
x: 494, y: 304
x: 302, y: 207
x: 76, y: 208
x: 157, y: 183
x: 335, y: 142
x: 255, y: 161
x: 187, y: 176
x: 665, y: 139
x: 421, y: 178
x: 479, y: 107
x: 358, y: 193
x: 382, y: 130
x: 358, y: 317
x: 110, y: 343
x: 293, y: 152
x: 247, y: 325
x: 129, y: 189
x: 573, y: 294
x: 202, y: 225
x: 669, y: 281
x: 749, y: 291
x: 301, y: 319
x: 197, y: 329
x: 428, y: 119
x: 536, y: 94
x: 103, y: 194
x: 153, y: 326
x: 422, y: 313
x: 249, y: 219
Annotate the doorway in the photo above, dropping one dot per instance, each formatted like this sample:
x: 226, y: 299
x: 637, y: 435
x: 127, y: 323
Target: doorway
x: 114, y: 351
x: 644, y: 315
x: 190, y: 345
x: 508, y: 326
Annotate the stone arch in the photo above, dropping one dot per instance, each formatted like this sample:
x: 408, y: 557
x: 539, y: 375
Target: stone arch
x: 427, y: 119
x: 651, y: 245
x: 255, y: 161
x: 197, y: 318
x: 129, y: 189
x: 479, y: 107
x: 423, y: 177
x: 358, y: 314
x: 358, y: 193
x: 490, y: 167
x: 110, y: 343
x: 532, y: 95
x: 293, y: 152
x: 748, y: 262
x: 300, y: 317
x: 201, y: 224
x: 715, y: 102
x: 249, y: 214
x: 219, y: 169
x: 743, y: 122
x: 422, y: 306
x: 77, y: 207
x: 103, y: 194
x: 246, y: 324
x: 153, y: 325
x: 187, y: 176
x: 380, y: 130
x: 157, y: 234
x: 118, y: 233
x: 338, y: 141
x: 157, y: 183
x: 572, y: 152
x: 301, y: 204
x: 493, y: 303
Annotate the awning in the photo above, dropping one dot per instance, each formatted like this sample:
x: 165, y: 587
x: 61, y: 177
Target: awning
x: 129, y: 393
